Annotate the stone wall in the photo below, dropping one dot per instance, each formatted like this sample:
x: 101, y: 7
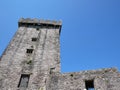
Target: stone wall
x: 34, y: 52
x: 103, y: 79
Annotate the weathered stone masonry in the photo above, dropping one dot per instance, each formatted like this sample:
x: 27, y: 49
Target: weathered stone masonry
x: 32, y: 62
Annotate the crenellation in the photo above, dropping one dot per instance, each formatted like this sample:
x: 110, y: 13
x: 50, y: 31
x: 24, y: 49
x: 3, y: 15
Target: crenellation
x: 39, y: 22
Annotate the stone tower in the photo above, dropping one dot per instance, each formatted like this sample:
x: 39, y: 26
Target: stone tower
x: 32, y: 62
x: 31, y: 56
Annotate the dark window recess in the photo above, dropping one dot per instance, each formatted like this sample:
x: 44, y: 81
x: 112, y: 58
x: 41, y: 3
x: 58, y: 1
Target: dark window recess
x: 34, y: 39
x: 29, y: 51
x: 89, y: 85
x: 37, y: 29
x: 52, y: 70
x: 24, y: 80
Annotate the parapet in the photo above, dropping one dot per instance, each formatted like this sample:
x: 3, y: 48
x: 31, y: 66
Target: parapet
x: 38, y: 22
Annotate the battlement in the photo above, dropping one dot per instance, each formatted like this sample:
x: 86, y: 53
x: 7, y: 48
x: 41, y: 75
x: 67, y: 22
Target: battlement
x: 37, y: 22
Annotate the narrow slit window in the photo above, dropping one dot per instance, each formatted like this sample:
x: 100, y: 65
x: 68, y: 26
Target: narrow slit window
x: 24, y: 80
x: 34, y: 39
x: 89, y: 85
x: 30, y: 51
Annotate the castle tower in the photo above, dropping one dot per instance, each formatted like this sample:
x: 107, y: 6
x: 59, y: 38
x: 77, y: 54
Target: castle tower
x: 32, y: 62
x: 31, y: 56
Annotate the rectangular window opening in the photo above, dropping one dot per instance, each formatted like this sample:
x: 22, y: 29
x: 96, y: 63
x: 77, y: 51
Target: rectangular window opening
x: 30, y: 51
x: 89, y: 85
x: 24, y: 80
x: 34, y: 39
x: 52, y: 70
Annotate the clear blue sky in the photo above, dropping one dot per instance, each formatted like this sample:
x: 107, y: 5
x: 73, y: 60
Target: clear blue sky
x: 90, y: 36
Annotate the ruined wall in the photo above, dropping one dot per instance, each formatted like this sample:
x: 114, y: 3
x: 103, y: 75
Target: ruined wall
x: 104, y: 79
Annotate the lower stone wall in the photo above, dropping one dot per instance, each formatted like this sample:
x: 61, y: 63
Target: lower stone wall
x: 103, y: 79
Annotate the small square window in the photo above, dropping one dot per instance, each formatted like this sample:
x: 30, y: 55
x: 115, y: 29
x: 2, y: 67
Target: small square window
x: 24, y: 80
x: 34, y: 39
x: 89, y: 85
x: 52, y: 70
x: 29, y: 51
x: 37, y: 29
